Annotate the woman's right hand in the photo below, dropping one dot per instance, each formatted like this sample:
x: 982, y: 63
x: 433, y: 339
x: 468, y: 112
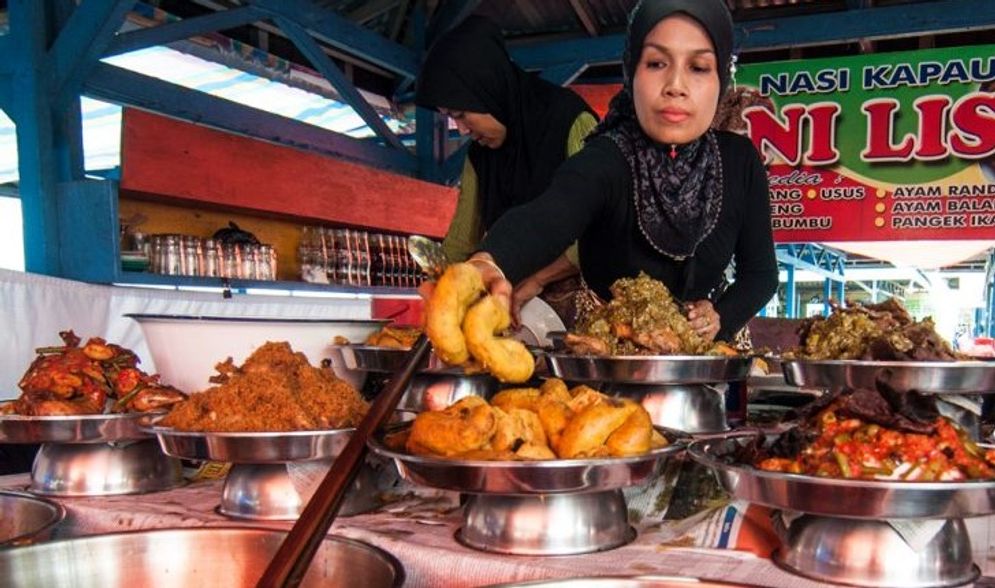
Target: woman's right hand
x: 494, y: 280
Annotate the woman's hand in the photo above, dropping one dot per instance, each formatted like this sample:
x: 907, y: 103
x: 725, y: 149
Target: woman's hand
x: 526, y: 290
x: 494, y: 280
x: 704, y: 319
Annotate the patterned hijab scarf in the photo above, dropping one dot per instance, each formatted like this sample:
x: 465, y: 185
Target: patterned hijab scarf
x: 677, y: 190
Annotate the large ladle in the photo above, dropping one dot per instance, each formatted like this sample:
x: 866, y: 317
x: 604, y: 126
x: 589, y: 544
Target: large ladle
x: 291, y: 561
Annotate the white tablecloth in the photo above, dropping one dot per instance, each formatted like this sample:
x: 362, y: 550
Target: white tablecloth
x: 418, y: 530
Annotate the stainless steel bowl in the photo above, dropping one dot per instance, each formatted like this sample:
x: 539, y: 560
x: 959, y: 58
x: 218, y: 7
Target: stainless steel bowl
x: 624, y: 582
x: 180, y: 558
x: 25, y: 519
x: 692, y: 408
x: 369, y: 358
x: 266, y: 492
x: 88, y: 469
x: 872, y: 553
x: 649, y: 369
x: 435, y: 390
x: 937, y: 377
x: 855, y: 499
x: 553, y: 524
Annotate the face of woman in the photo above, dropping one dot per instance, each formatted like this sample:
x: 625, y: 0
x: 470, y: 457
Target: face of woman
x: 676, y: 82
x: 482, y: 128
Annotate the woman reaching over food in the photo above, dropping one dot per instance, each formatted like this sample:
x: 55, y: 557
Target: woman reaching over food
x: 654, y: 189
x: 522, y: 128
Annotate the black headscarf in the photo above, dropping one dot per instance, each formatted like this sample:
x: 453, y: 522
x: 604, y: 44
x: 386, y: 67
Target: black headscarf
x: 678, y: 198
x: 469, y: 69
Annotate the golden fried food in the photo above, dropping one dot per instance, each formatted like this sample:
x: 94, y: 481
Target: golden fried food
x: 527, y: 398
x: 555, y: 388
x: 517, y: 427
x: 506, y: 359
x: 72, y: 380
x: 634, y: 437
x: 276, y: 389
x: 458, y: 288
x: 530, y: 424
x: 467, y: 425
x: 394, y: 337
x: 586, y: 434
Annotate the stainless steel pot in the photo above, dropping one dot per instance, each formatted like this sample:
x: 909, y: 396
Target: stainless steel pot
x: 25, y: 519
x: 182, y: 558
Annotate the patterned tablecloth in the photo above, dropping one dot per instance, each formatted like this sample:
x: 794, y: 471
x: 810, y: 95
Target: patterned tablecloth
x: 418, y: 529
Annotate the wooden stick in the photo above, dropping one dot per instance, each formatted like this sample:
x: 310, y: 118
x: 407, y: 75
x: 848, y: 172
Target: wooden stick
x: 288, y: 566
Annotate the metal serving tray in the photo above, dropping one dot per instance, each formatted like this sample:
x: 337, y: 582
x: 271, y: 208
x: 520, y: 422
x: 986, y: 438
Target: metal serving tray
x: 649, y: 369
x: 837, y: 497
x: 935, y: 377
x: 255, y: 447
x: 555, y: 476
x: 95, y: 428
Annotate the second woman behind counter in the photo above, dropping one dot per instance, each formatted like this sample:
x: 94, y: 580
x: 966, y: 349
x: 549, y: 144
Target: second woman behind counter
x: 522, y: 129
x: 654, y: 189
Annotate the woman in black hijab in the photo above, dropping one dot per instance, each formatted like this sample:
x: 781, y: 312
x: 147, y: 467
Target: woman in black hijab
x: 523, y: 128
x: 654, y: 189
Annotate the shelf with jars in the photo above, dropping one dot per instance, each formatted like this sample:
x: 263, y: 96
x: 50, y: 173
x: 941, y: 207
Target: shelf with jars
x: 101, y: 253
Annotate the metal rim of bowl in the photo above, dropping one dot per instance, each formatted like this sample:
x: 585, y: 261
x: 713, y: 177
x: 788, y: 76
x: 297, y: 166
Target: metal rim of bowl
x: 391, y: 560
x: 59, y: 514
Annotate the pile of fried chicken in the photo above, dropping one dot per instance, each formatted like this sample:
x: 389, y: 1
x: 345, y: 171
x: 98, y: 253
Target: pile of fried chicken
x: 96, y: 378
x: 884, y: 331
x: 534, y: 424
x: 642, y: 318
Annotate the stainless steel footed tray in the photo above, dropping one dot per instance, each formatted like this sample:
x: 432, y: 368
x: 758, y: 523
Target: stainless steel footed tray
x: 935, y: 377
x: 254, y: 447
x: 554, y: 476
x: 90, y: 428
x: 649, y: 369
x: 836, y: 497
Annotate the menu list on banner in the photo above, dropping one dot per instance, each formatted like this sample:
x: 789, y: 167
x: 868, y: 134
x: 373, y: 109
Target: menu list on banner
x: 879, y: 147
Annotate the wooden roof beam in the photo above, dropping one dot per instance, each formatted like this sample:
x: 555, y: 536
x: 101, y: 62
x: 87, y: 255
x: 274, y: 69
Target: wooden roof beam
x: 583, y: 12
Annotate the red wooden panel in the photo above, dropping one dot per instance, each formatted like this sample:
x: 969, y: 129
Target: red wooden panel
x: 597, y: 95
x: 165, y: 157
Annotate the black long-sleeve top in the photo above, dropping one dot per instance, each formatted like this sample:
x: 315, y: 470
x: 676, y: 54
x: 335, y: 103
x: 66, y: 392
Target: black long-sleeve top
x: 590, y: 200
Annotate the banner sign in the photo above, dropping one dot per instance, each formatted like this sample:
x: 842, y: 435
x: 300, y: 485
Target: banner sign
x: 890, y: 146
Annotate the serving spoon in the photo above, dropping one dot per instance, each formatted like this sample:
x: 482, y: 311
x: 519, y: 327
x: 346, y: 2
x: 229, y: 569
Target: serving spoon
x: 291, y: 561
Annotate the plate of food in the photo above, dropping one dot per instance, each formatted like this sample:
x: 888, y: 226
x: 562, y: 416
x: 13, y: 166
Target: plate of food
x: 531, y: 441
x: 79, y: 392
x: 857, y: 344
x: 274, y: 407
x: 642, y: 336
x: 868, y: 453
